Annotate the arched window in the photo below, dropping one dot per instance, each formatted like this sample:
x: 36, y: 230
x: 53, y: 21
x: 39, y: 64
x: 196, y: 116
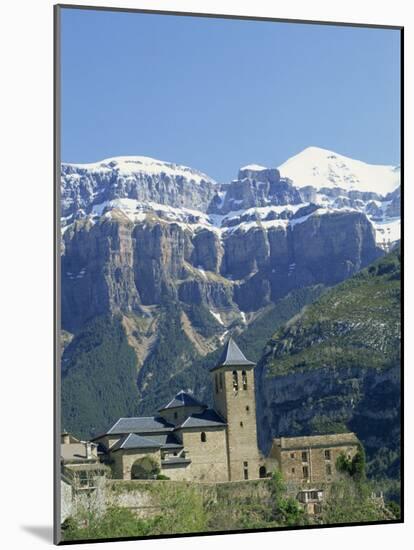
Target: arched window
x: 244, y: 379
x: 203, y: 437
x: 235, y: 381
x: 216, y: 381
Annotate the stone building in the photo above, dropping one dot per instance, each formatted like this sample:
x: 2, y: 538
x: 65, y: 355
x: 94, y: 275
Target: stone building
x: 80, y: 463
x: 186, y: 440
x: 311, y: 459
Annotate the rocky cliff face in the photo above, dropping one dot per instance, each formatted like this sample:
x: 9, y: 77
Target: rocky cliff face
x: 117, y: 265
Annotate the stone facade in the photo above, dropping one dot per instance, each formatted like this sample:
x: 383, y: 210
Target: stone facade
x: 123, y: 461
x: 311, y: 459
x: 208, y: 456
x: 234, y: 399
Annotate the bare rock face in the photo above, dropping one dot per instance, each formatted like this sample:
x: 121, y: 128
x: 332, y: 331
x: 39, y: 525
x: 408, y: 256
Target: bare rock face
x: 394, y: 208
x: 116, y: 265
x: 97, y: 271
x: 257, y: 187
x: 208, y: 251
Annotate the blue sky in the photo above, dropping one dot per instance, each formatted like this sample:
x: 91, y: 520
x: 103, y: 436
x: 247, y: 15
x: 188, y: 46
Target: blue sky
x: 216, y: 94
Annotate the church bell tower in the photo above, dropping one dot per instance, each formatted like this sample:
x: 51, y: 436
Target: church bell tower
x: 234, y: 400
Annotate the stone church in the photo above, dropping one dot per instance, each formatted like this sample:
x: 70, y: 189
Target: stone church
x: 189, y: 441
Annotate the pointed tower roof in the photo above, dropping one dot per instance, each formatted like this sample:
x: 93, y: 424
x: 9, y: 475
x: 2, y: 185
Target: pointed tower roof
x: 232, y: 356
x: 183, y: 399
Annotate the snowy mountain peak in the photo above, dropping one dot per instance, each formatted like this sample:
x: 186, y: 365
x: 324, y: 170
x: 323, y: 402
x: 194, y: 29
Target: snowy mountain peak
x: 324, y: 168
x: 254, y: 168
x: 131, y: 165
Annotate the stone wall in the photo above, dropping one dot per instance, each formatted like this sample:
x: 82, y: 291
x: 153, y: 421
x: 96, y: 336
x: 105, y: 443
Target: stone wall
x: 319, y: 463
x: 208, y: 459
x: 66, y: 508
x: 123, y: 460
x: 239, y: 409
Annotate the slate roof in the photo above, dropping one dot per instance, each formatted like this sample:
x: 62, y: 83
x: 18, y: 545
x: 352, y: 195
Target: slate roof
x: 142, y: 424
x: 166, y: 441
x: 183, y: 399
x: 232, y: 355
x: 329, y: 440
x: 133, y: 441
x: 206, y: 419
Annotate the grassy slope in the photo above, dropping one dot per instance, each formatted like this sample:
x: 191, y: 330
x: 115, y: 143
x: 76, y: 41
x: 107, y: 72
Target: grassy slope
x: 355, y: 323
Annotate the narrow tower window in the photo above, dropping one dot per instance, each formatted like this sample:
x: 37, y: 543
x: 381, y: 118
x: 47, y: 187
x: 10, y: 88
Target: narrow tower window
x: 235, y: 381
x: 246, y: 470
x: 216, y: 381
x: 244, y: 379
x: 203, y: 437
x: 221, y: 380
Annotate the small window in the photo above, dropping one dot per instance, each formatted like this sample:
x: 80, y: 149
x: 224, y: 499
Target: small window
x: 246, y: 470
x: 175, y: 415
x: 293, y: 470
x: 292, y: 455
x: 304, y: 456
x: 305, y: 471
x: 216, y: 382
x: 203, y: 437
x: 241, y: 424
x: 247, y: 408
x: 244, y: 379
x: 175, y: 454
x: 83, y: 479
x: 327, y: 455
x: 235, y: 381
x: 245, y: 464
x: 328, y: 470
x: 221, y: 380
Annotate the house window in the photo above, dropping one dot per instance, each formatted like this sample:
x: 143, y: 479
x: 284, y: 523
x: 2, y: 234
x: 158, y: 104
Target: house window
x: 246, y: 470
x: 305, y: 471
x: 304, y: 456
x: 235, y: 381
x: 327, y: 455
x: 221, y: 380
x: 244, y: 379
x: 216, y: 381
x: 83, y: 479
x: 292, y: 455
x: 328, y: 470
x: 203, y: 437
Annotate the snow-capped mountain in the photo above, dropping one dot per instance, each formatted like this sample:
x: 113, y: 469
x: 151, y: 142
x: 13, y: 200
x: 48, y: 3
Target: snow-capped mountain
x: 322, y: 168
x: 316, y: 182
x: 141, y: 178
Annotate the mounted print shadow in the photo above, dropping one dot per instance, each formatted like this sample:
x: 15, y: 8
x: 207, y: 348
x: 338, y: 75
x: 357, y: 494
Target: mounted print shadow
x: 228, y: 327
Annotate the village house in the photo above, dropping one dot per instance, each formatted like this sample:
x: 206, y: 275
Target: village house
x: 186, y: 440
x: 80, y: 463
x: 312, y: 459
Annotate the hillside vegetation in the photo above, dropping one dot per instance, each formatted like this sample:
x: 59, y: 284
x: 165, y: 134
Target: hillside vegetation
x: 355, y: 323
